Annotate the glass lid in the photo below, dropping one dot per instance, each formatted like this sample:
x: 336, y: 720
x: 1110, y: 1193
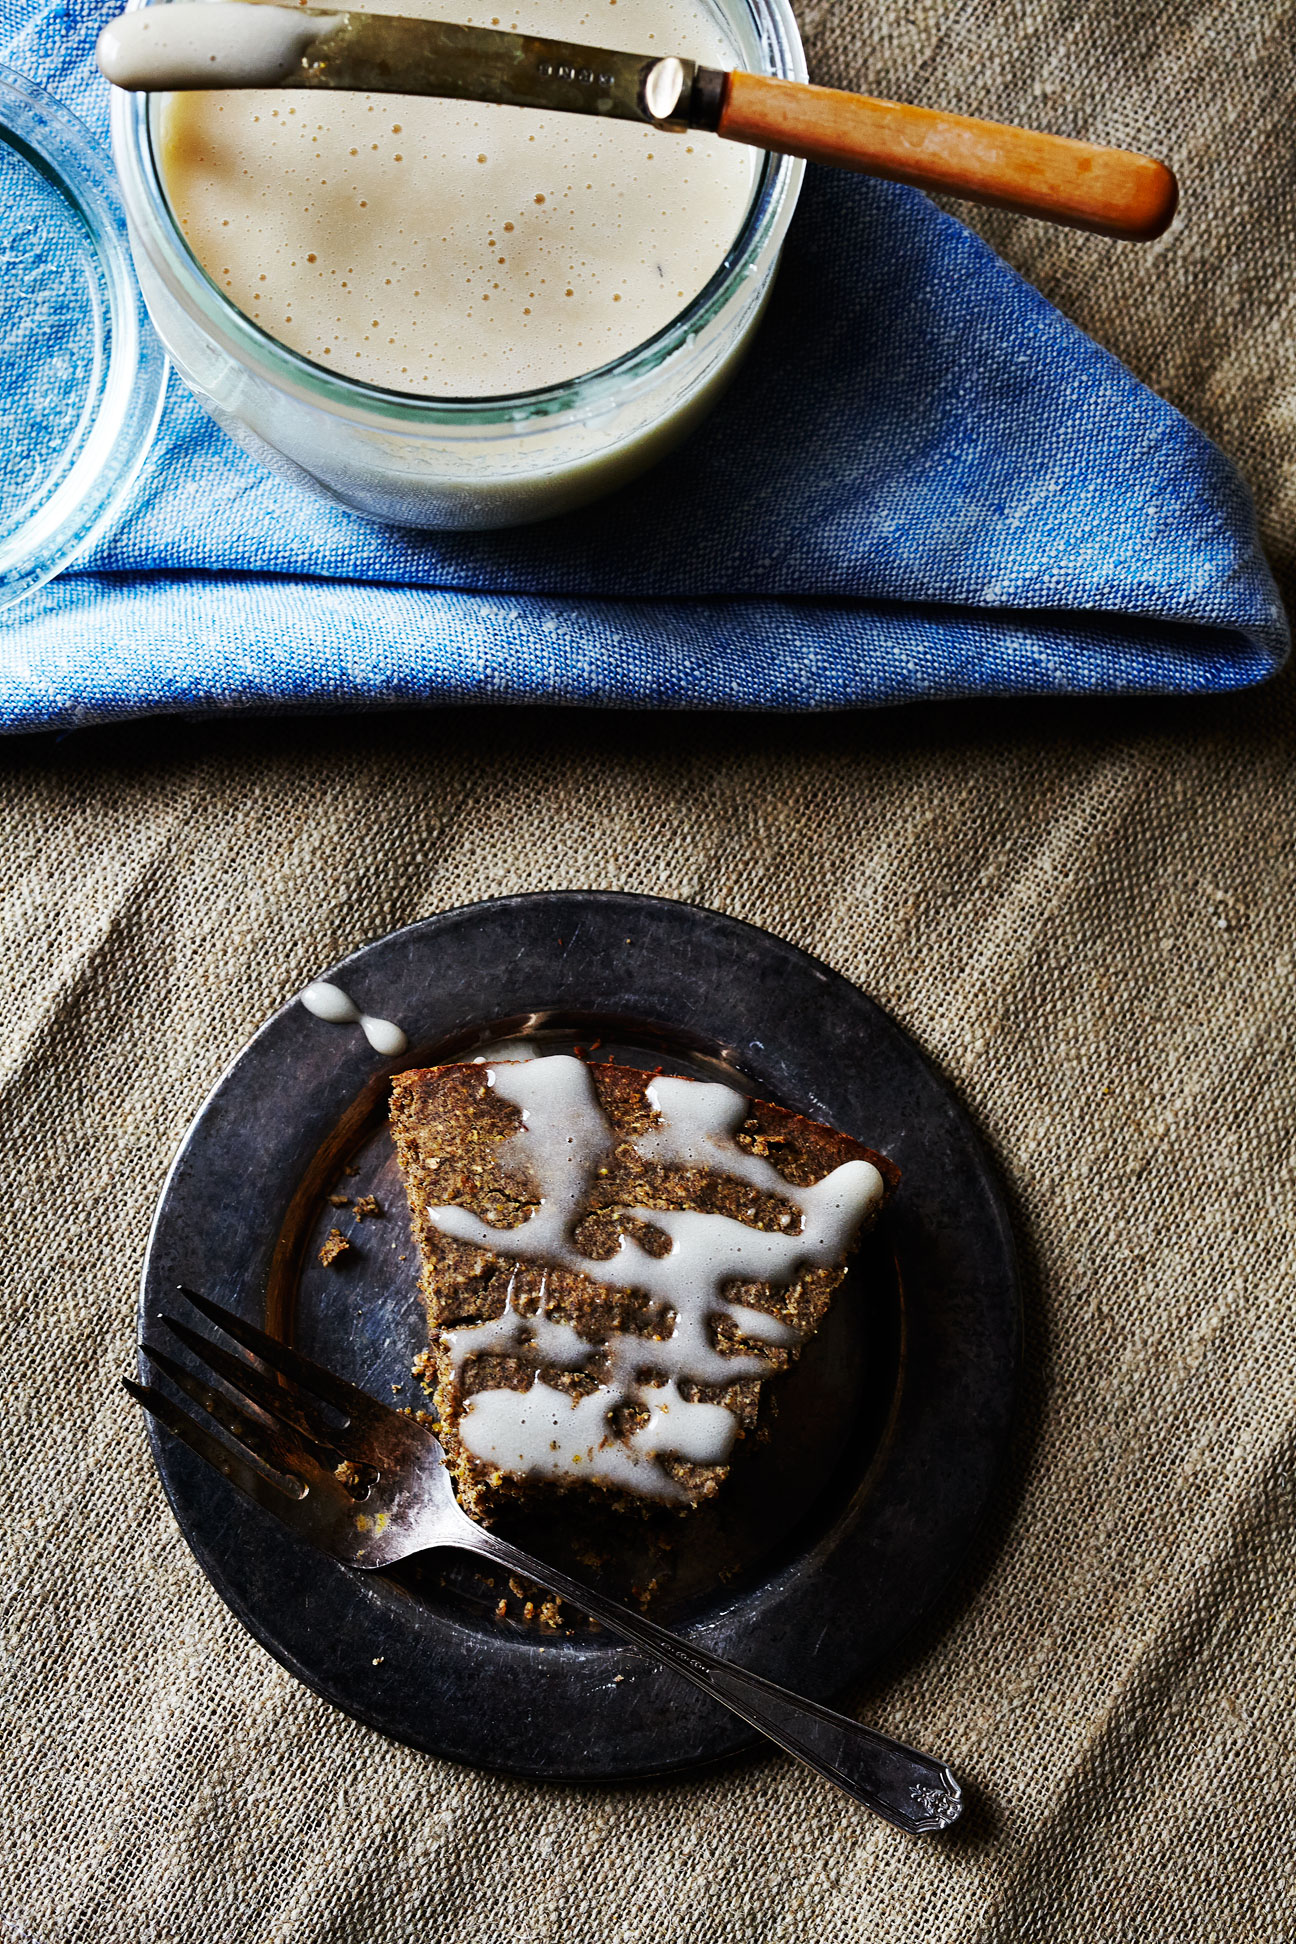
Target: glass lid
x: 82, y: 377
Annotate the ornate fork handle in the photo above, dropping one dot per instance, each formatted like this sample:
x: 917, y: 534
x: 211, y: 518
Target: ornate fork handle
x: 911, y: 1790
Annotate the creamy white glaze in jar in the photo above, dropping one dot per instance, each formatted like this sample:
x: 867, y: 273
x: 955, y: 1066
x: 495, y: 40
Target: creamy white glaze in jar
x: 460, y: 462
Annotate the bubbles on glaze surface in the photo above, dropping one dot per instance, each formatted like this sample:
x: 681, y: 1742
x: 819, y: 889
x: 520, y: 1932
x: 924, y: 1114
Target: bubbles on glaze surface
x: 564, y: 1138
x: 329, y: 1002
x: 368, y: 232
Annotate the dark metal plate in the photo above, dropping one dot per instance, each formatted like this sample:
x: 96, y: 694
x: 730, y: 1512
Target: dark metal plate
x: 832, y: 1536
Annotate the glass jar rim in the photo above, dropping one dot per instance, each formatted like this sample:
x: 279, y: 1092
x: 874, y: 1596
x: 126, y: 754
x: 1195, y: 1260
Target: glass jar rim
x: 768, y: 213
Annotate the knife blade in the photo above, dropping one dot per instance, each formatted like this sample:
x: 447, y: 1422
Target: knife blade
x: 246, y: 44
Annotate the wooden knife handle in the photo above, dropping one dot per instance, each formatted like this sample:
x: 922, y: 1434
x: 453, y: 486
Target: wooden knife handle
x: 1109, y: 190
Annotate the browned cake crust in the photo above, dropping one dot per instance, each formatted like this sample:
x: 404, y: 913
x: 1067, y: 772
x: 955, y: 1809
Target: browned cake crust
x: 449, y: 1124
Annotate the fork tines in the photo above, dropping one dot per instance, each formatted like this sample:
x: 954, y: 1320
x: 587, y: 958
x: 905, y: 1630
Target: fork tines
x: 344, y: 1397
x: 286, y: 1426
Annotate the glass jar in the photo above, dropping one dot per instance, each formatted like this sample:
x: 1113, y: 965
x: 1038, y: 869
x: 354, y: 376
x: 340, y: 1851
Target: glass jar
x: 460, y: 463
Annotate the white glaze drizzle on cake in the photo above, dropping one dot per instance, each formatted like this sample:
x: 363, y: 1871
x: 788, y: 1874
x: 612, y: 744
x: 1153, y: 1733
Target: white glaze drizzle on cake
x: 565, y: 1137
x: 331, y: 1003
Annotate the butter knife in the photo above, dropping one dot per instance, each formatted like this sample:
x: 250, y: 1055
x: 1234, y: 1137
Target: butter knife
x: 246, y: 44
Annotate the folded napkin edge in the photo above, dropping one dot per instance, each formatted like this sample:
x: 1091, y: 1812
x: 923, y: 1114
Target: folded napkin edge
x: 1266, y: 624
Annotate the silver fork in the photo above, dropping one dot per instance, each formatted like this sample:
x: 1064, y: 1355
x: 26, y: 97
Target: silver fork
x: 368, y: 1485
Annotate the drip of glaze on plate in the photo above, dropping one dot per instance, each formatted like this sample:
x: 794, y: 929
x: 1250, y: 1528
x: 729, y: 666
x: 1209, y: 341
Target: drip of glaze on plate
x: 331, y: 1003
x: 564, y: 1138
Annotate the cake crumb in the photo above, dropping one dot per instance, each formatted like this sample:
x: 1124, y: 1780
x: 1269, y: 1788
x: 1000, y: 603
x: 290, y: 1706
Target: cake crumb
x: 365, y: 1205
x: 340, y: 1201
x: 335, y: 1246
x: 347, y: 1473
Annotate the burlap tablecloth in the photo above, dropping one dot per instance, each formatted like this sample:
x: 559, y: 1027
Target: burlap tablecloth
x: 1084, y: 912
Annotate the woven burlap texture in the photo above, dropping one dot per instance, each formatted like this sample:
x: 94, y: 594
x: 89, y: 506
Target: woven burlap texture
x: 1083, y: 911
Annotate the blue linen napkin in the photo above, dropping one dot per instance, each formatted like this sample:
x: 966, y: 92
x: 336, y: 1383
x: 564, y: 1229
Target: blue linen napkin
x: 925, y: 482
